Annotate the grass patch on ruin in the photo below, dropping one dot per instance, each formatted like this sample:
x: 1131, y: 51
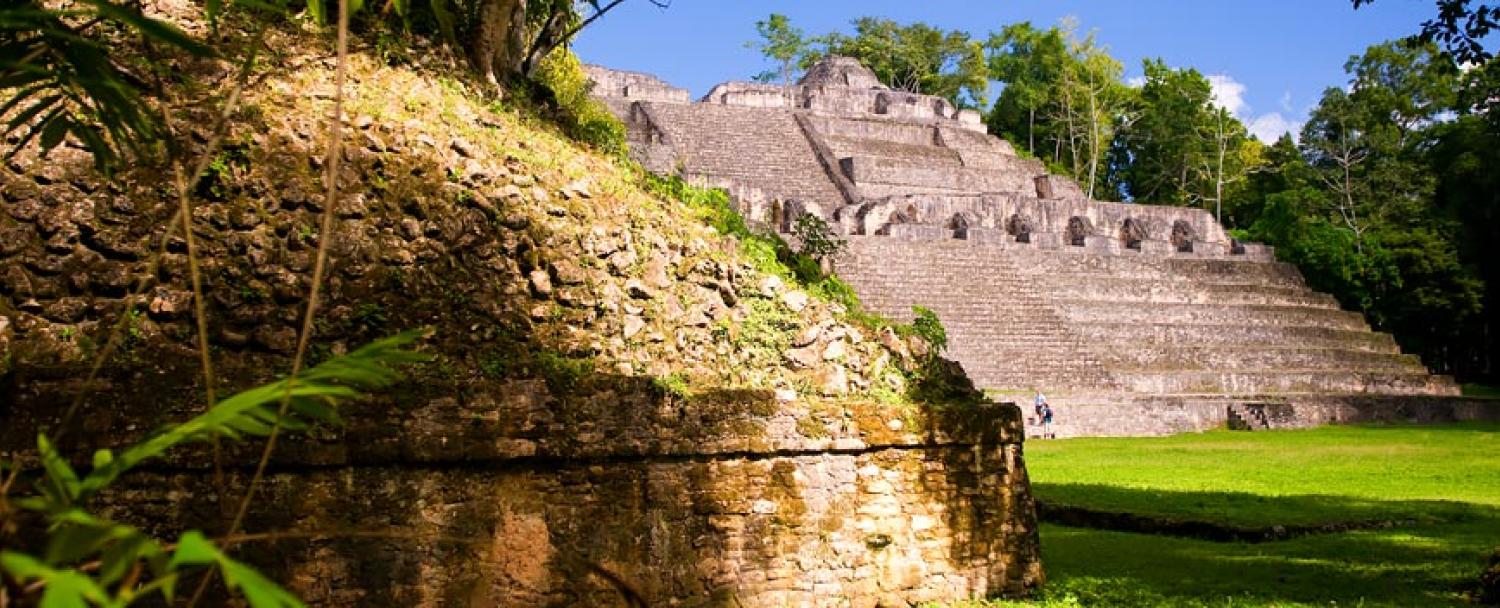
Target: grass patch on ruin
x: 1443, y: 482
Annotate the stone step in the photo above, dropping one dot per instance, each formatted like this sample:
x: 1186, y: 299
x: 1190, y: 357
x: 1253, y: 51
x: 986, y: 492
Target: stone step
x: 1122, y: 357
x: 1287, y: 381
x: 1149, y: 335
x: 1102, y: 287
x: 852, y: 146
x: 1094, y: 311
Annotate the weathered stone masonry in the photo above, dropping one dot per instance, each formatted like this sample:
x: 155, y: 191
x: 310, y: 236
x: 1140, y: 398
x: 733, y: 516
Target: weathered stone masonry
x: 1123, y: 309
x: 508, y: 496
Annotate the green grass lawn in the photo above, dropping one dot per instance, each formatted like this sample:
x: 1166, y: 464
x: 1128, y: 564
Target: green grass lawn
x: 1443, y: 480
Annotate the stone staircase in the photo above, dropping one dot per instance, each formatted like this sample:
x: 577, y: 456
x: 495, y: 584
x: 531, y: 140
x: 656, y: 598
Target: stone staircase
x: 1002, y: 331
x: 751, y: 153
x: 1189, y: 326
x: 1094, y: 329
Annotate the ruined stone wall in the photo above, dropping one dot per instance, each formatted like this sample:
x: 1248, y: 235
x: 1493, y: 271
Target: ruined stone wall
x: 512, y: 494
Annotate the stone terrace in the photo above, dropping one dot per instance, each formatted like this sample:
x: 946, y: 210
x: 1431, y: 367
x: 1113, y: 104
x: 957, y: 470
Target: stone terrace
x: 1149, y: 316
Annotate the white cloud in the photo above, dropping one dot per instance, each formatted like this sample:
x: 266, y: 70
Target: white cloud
x: 1269, y: 127
x: 1228, y: 93
x: 1135, y: 82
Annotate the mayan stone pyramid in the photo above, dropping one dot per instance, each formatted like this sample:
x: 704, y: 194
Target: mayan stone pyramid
x: 1133, y: 318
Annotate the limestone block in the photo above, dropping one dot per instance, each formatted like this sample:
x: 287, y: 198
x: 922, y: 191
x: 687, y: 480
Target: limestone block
x: 1099, y: 243
x: 971, y: 120
x: 988, y: 236
x: 1157, y: 247
x: 656, y: 92
x: 920, y: 232
x: 1208, y: 249
x: 1046, y: 240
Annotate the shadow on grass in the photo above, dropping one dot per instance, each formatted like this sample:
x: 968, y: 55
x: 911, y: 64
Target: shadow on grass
x: 1244, y: 509
x: 1419, y: 566
x: 1431, y: 559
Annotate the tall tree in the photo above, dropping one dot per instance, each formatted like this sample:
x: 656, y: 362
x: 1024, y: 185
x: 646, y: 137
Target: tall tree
x: 1370, y: 225
x: 1165, y: 140
x: 1029, y: 62
x: 1063, y: 97
x: 781, y: 42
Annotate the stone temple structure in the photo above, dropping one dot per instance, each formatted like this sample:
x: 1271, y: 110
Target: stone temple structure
x: 1132, y: 318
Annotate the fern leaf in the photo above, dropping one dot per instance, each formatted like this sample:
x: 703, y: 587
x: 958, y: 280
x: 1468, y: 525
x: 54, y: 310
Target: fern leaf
x: 313, y: 397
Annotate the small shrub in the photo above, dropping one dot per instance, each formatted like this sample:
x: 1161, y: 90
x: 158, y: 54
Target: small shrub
x: 582, y: 117
x: 818, y: 239
x: 563, y: 373
x: 927, y: 326
x: 674, y: 384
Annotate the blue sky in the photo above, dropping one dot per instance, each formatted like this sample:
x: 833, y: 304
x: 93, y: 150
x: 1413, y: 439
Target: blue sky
x: 1270, y: 59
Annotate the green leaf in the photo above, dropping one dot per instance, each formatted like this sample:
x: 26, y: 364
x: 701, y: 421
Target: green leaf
x: 63, y: 588
x: 61, y: 480
x: 253, y: 412
x: 69, y: 543
x: 54, y: 130
x: 31, y: 112
x: 193, y: 549
x: 103, y: 458
x: 318, y: 10
x: 260, y: 591
x: 72, y: 589
x: 152, y: 28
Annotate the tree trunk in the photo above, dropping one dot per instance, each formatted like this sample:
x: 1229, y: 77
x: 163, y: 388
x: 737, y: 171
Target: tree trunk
x: 1031, y: 131
x: 499, y: 43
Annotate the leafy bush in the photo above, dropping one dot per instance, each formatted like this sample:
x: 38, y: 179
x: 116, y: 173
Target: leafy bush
x: 819, y: 242
x: 582, y: 117
x: 927, y: 326
x: 90, y: 560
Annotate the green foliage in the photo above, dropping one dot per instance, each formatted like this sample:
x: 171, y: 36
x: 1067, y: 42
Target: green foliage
x: 926, y: 325
x: 582, y: 117
x: 75, y: 537
x: 1386, y: 203
x: 781, y: 42
x: 1064, y: 100
x: 767, y: 329
x: 816, y: 238
x: 673, y: 384
x: 64, y: 80
x: 1461, y: 29
x: 914, y: 57
x: 563, y: 373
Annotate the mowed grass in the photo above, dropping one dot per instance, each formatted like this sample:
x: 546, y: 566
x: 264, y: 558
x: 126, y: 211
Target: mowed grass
x: 1441, y: 482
